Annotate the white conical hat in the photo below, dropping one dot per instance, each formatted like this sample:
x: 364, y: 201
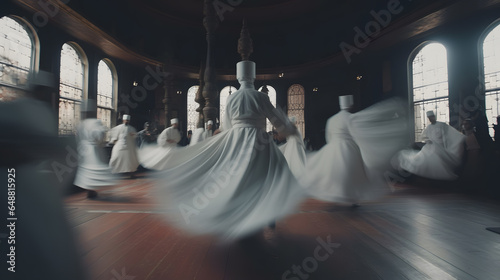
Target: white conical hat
x: 174, y: 120
x: 210, y: 122
x: 245, y: 71
x: 126, y: 117
x: 346, y: 101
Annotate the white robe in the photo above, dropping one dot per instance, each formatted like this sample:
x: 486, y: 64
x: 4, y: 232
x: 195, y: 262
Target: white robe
x: 295, y: 153
x: 235, y: 182
x: 124, y: 153
x: 155, y: 157
x: 167, y: 134
x: 199, y: 135
x: 353, y: 164
x: 93, y: 172
x: 207, y: 133
x: 439, y: 158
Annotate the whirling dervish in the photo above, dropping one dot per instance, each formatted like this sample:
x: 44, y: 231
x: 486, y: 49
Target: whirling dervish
x: 237, y: 182
x: 351, y: 167
x: 201, y: 133
x: 93, y: 173
x: 124, y: 153
x: 155, y: 156
x: 440, y: 157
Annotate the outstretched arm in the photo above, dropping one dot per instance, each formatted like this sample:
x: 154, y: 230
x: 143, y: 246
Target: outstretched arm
x: 277, y: 117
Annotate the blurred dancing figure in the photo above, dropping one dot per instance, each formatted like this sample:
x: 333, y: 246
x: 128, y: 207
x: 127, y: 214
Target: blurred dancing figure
x: 201, y: 133
x: 93, y: 173
x: 124, y: 153
x: 155, y: 157
x: 170, y: 136
x: 295, y: 152
x: 35, y: 162
x: 238, y: 182
x: 350, y: 168
x: 441, y: 155
x: 145, y: 136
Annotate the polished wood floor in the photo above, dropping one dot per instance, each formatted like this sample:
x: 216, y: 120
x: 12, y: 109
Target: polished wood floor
x: 415, y: 233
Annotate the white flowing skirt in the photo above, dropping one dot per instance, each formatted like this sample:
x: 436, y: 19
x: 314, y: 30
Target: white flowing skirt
x: 357, y: 167
x: 432, y: 162
x: 229, y: 185
x: 295, y: 154
x: 124, y: 159
x: 155, y: 157
x: 93, y: 172
x: 336, y: 172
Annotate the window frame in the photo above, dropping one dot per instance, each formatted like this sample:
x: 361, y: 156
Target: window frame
x: 35, y: 50
x: 85, y: 65
x: 411, y: 102
x: 483, y: 92
x: 114, y: 93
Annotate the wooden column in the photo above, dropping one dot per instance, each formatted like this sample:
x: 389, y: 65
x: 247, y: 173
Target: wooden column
x: 209, y: 92
x: 199, y: 97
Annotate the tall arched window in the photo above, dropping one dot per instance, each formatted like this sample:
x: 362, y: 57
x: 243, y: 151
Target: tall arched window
x: 491, y: 63
x: 17, y: 56
x: 71, y: 87
x: 224, y: 94
x: 106, y: 92
x: 429, y: 76
x: 272, y: 97
x: 192, y: 115
x: 296, y: 105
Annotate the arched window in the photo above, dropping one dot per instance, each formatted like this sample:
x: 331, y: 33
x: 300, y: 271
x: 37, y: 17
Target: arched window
x: 192, y: 115
x: 106, y: 92
x: 71, y: 87
x: 224, y: 94
x: 429, y: 76
x: 296, y: 105
x: 272, y: 97
x: 491, y: 63
x: 17, y: 56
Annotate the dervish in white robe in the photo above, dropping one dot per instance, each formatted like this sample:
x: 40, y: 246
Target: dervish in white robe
x: 353, y: 165
x: 93, y: 171
x: 124, y: 153
x: 441, y: 155
x: 201, y: 133
x: 236, y: 182
x: 155, y: 157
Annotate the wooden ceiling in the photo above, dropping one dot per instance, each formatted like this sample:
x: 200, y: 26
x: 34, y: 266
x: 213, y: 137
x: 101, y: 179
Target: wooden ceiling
x: 293, y: 36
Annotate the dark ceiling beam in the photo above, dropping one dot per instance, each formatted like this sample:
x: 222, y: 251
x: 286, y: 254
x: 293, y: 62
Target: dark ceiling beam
x: 412, y: 25
x: 420, y: 22
x: 76, y: 25
x: 416, y: 25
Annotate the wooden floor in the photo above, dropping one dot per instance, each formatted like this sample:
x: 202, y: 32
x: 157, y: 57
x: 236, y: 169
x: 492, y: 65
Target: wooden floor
x: 415, y: 233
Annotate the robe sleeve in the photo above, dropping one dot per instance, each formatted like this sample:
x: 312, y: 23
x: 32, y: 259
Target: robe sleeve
x: 226, y: 120
x: 424, y: 137
x: 162, y: 138
x: 277, y: 117
x: 134, y: 131
x: 173, y: 134
x: 328, y: 131
x: 380, y: 131
x: 98, y: 133
x: 113, y: 134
